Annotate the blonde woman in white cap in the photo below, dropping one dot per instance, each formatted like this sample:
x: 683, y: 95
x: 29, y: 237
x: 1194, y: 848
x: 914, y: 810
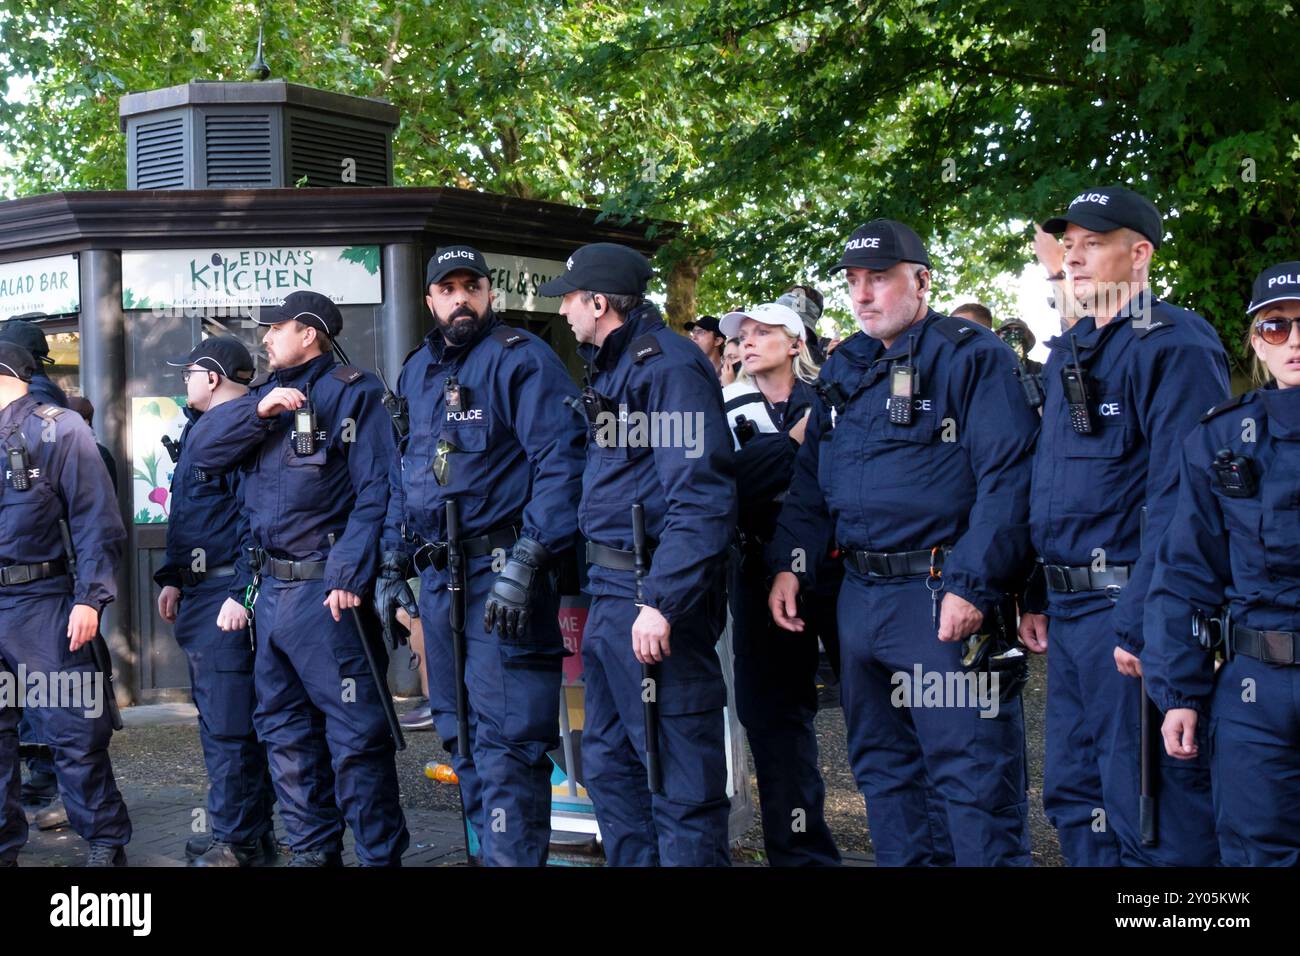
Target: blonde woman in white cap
x: 776, y: 691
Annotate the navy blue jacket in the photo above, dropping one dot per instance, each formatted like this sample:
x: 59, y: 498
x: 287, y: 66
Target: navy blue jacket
x: 958, y: 475
x: 519, y: 447
x: 207, y: 519
x: 68, y: 480
x: 686, y: 486
x: 1150, y: 378
x: 1242, y: 552
x: 295, y: 502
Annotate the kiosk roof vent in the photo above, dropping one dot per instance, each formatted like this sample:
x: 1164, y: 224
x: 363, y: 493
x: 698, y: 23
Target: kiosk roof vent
x: 207, y: 135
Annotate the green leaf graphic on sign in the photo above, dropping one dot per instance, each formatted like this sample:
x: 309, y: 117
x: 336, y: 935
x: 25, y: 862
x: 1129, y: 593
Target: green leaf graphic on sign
x: 365, y: 256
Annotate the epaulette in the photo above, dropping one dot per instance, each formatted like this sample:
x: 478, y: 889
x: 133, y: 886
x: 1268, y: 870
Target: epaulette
x: 1145, y: 325
x: 1229, y: 404
x: 955, y: 330
x: 49, y: 412
x: 508, y: 336
x: 347, y: 374
x: 644, y: 347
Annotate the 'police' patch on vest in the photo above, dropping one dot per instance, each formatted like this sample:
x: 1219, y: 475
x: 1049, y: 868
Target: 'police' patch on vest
x: 469, y: 415
x: 644, y: 347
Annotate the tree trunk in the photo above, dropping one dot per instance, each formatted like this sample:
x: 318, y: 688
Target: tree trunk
x: 682, y: 280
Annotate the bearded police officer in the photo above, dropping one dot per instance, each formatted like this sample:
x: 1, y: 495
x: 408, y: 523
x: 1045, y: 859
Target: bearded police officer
x: 917, y: 463
x: 659, y: 440
x: 203, y: 581
x: 1123, y: 388
x: 48, y: 617
x: 316, y: 446
x: 490, y: 427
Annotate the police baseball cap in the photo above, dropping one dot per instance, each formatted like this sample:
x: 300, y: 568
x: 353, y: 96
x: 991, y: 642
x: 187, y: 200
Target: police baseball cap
x: 602, y: 267
x: 1012, y: 324
x: 449, y: 259
x: 16, y: 361
x: 1275, y: 284
x: 1107, y: 208
x: 309, y: 308
x: 27, y: 334
x: 769, y: 313
x: 223, y: 354
x: 709, y: 323
x: 880, y: 244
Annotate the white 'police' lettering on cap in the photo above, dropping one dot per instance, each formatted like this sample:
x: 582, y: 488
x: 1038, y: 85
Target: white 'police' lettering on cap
x: 1284, y: 280
x: 456, y: 254
x: 871, y: 243
x: 568, y: 264
x: 1097, y: 198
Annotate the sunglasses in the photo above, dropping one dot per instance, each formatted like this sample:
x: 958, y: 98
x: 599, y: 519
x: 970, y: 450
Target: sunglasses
x: 186, y: 373
x: 1276, y: 331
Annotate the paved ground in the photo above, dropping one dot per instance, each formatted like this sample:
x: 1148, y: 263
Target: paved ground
x: 160, y: 769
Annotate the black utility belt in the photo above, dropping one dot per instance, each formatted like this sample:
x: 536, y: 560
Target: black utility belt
x: 1064, y: 579
x: 192, y: 579
x: 16, y: 574
x: 284, y: 569
x: 433, y: 554
x: 1270, y: 647
x: 614, y: 559
x: 897, y: 564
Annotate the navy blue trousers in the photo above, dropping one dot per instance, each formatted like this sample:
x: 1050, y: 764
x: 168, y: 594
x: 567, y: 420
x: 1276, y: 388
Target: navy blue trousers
x: 686, y: 824
x: 514, y: 714
x: 943, y: 776
x: 240, y: 795
x: 1091, y: 776
x: 33, y: 636
x: 311, y: 676
x: 1255, y: 763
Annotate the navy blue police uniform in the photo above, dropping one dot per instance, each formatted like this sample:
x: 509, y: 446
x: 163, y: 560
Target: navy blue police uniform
x: 30, y: 336
x: 310, y: 670
x: 512, y: 455
x: 688, y: 493
x: 943, y: 779
x: 1148, y: 372
x: 775, y: 671
x: 1234, y: 544
x: 37, y: 594
x: 208, y: 560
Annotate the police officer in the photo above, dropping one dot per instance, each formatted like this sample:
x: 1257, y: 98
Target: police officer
x: 1232, y: 541
x: 316, y: 446
x: 1122, y: 389
x: 52, y: 473
x: 490, y: 426
x: 645, y: 380
x: 776, y: 673
x: 203, y: 581
x: 41, y: 785
x: 918, y: 464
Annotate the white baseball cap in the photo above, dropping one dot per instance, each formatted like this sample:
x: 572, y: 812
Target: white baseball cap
x: 769, y: 313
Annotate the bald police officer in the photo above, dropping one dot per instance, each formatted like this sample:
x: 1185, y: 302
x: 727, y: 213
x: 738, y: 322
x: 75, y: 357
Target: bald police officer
x: 644, y: 381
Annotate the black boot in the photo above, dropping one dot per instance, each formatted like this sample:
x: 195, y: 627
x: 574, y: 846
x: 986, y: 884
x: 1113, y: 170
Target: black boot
x: 198, y: 845
x: 104, y: 854
x: 328, y: 858
x: 259, y: 852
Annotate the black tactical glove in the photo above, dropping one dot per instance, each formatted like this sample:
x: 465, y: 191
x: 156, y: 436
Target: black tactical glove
x: 507, y: 605
x: 392, y: 592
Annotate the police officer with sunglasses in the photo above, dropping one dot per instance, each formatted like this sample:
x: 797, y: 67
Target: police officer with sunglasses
x: 1234, y: 543
x: 490, y: 426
